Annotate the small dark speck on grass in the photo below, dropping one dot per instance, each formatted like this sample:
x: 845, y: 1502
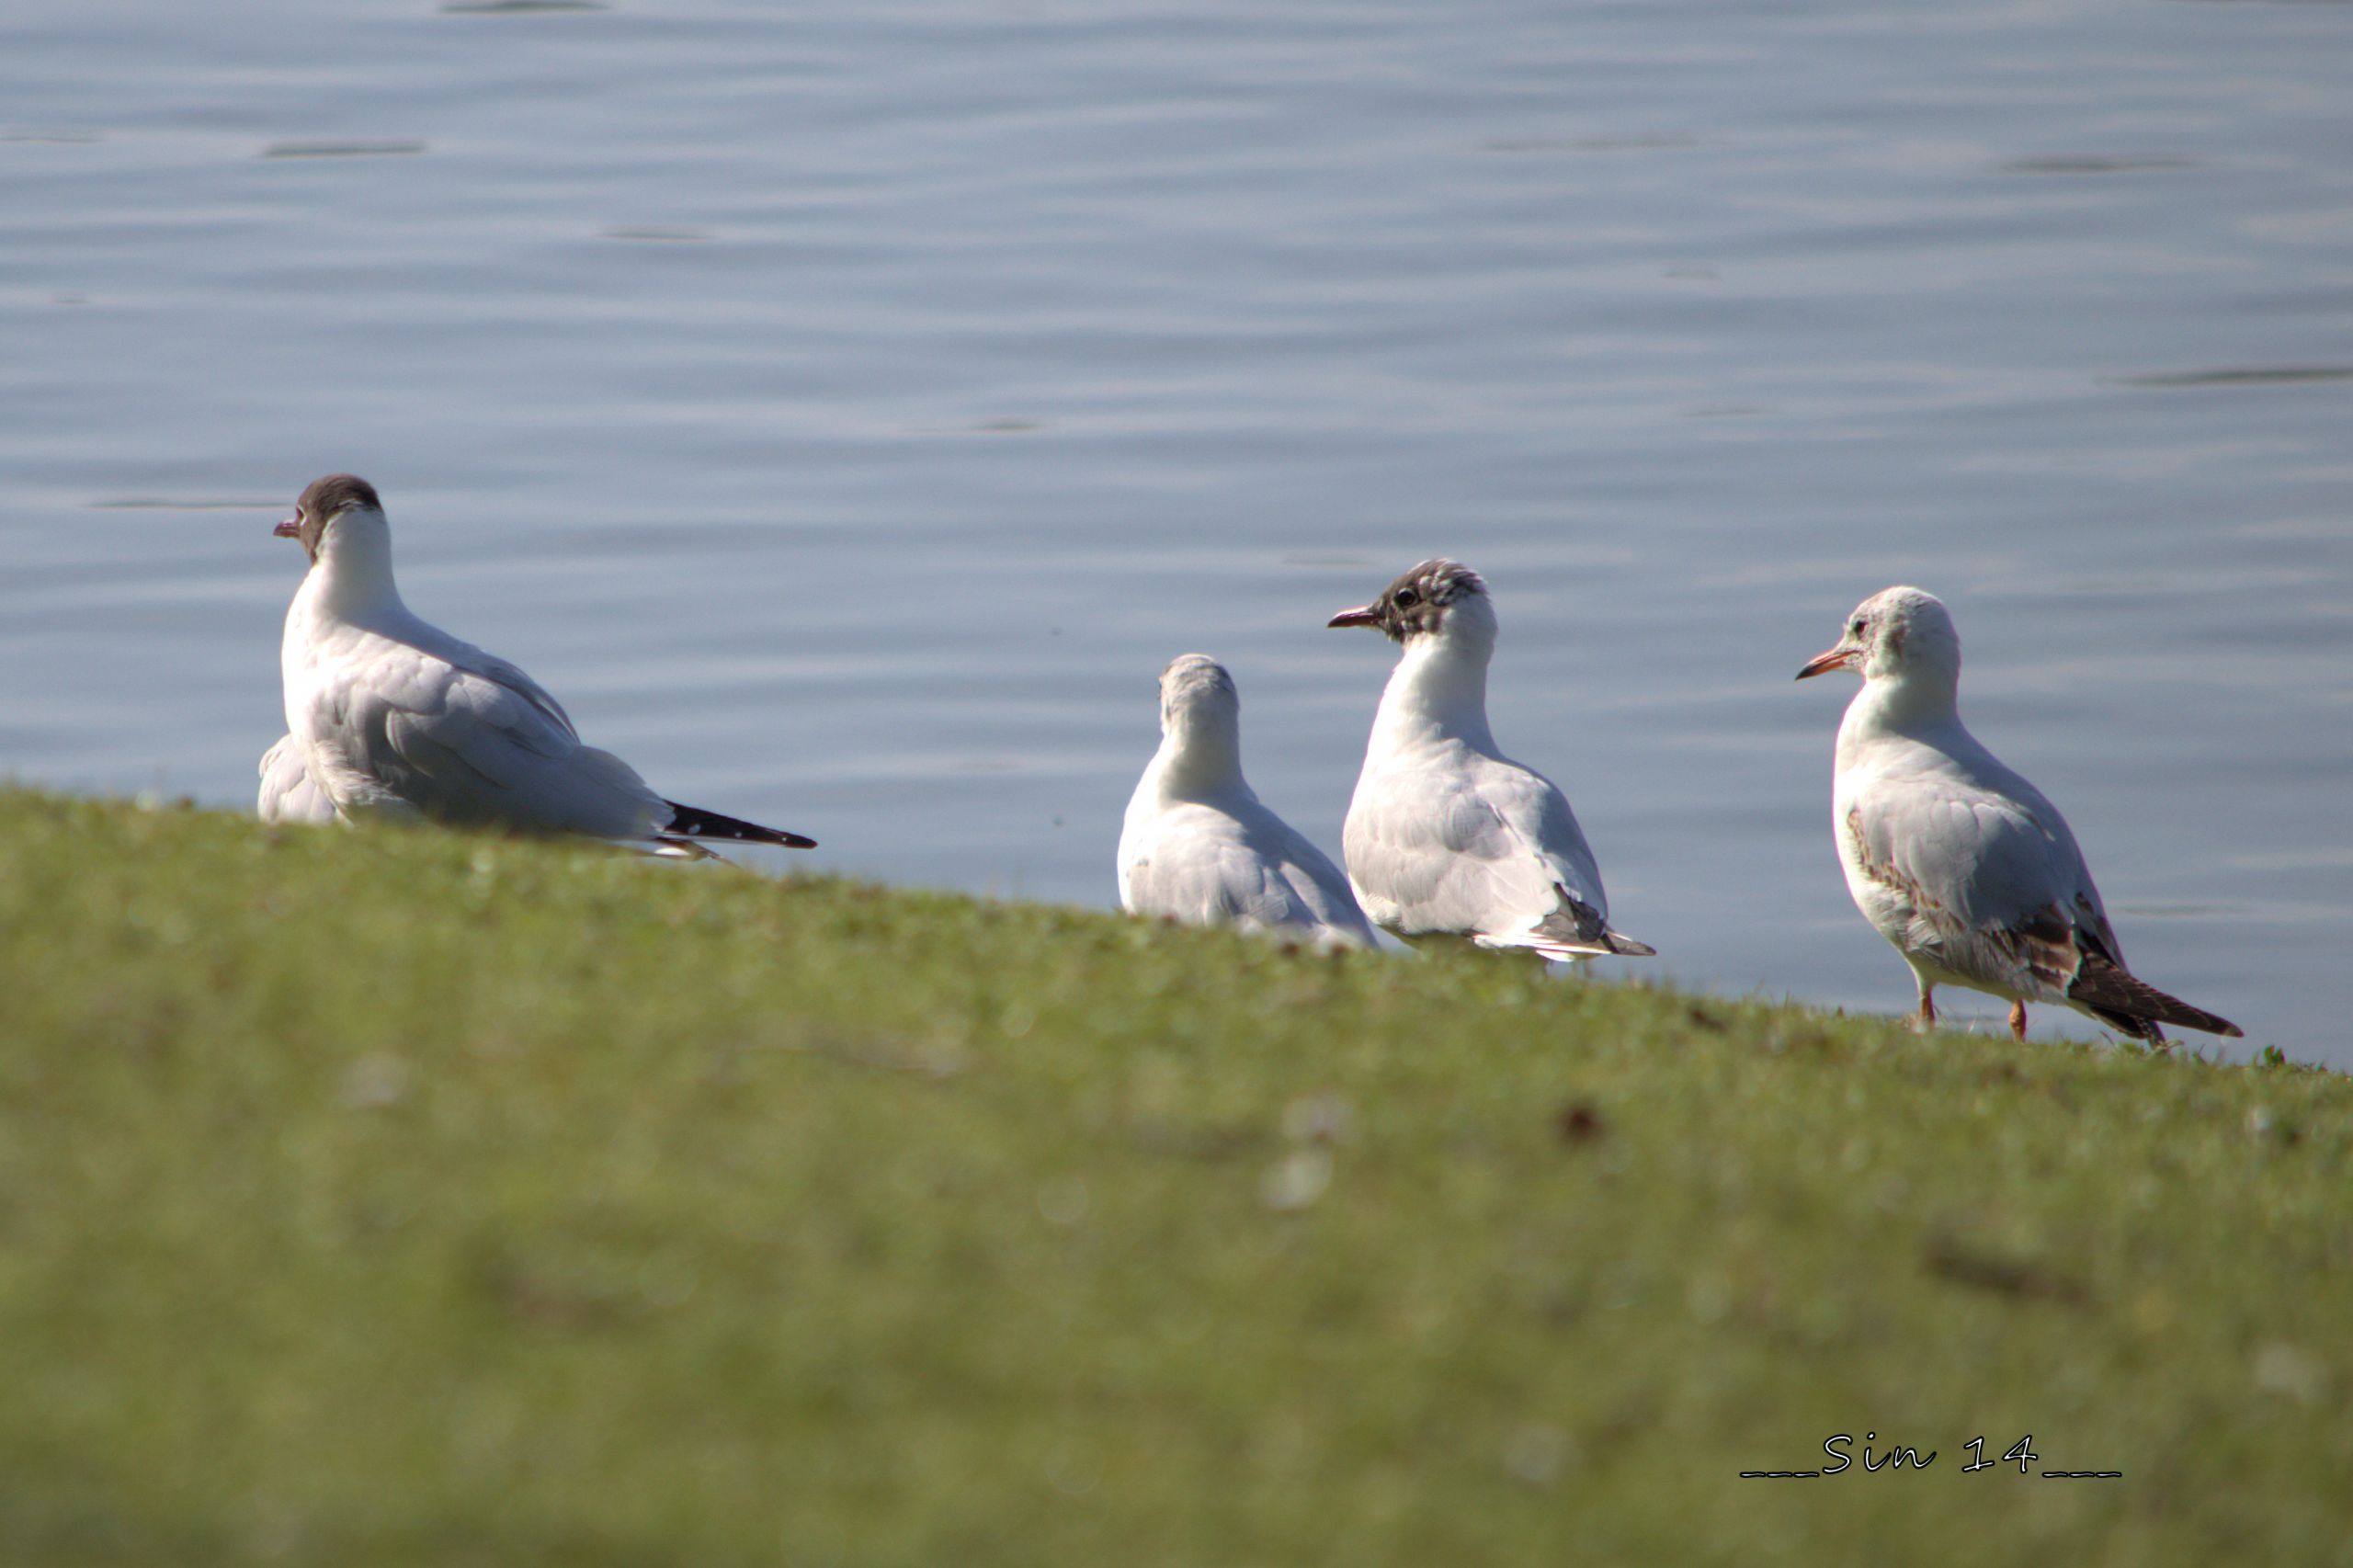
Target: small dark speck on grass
x: 937, y: 1065
x: 1705, y: 1019
x: 2262, y: 1126
x: 545, y: 1302
x: 1950, y: 1258
x: 1783, y: 1041
x: 1578, y: 1123
x: 1196, y: 1143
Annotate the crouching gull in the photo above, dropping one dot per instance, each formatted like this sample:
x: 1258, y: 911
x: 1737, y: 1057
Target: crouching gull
x: 394, y: 720
x: 1197, y: 846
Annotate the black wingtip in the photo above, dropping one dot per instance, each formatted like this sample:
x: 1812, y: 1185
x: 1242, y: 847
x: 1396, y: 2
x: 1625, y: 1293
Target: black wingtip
x: 2135, y: 1005
x: 693, y: 822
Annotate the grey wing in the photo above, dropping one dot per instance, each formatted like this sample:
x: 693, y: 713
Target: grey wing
x: 510, y: 677
x: 1485, y: 852
x: 289, y: 794
x: 481, y: 745
x: 1319, y: 887
x: 1987, y: 884
x: 1534, y: 808
x: 1208, y: 867
x: 1191, y: 866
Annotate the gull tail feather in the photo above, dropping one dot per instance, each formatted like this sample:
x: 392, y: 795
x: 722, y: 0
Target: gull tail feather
x: 693, y: 822
x: 2135, y: 1005
x: 1609, y: 944
x: 1578, y: 928
x: 1542, y: 947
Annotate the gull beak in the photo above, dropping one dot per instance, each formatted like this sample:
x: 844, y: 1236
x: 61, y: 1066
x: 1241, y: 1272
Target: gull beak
x: 1365, y: 615
x: 289, y: 528
x: 1823, y: 663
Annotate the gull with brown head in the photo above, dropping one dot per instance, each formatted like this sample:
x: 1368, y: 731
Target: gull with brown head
x: 1446, y: 836
x: 392, y: 719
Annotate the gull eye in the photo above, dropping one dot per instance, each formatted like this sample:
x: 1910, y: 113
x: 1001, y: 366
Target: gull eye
x: 1407, y: 599
x: 1857, y: 628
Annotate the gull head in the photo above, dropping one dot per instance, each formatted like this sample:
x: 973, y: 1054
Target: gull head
x: 1196, y: 687
x: 1424, y: 603
x: 322, y: 504
x: 1897, y: 632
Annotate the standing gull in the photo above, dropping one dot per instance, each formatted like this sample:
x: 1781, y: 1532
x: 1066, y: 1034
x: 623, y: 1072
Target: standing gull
x: 1446, y: 835
x: 1953, y: 858
x: 1197, y: 846
x: 398, y: 721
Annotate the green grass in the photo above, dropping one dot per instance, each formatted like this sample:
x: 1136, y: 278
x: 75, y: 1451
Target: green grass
x: 412, y: 1197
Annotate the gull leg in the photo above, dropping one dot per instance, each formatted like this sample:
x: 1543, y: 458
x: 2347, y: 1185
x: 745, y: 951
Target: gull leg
x: 2017, y: 1020
x: 1927, y: 1008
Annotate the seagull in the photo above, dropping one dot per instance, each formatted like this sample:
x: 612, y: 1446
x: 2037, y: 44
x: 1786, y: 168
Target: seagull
x: 398, y: 721
x: 1446, y: 835
x: 288, y: 792
x: 1197, y: 846
x: 1956, y: 859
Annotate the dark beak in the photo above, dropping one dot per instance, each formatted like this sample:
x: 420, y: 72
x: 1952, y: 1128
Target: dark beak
x: 1823, y: 663
x: 291, y: 528
x: 1366, y: 616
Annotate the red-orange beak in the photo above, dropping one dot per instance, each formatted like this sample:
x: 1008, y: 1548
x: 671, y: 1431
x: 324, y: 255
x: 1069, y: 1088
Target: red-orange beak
x: 290, y: 527
x: 1364, y: 616
x: 1835, y: 659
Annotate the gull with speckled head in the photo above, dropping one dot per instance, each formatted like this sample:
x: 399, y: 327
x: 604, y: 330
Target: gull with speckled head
x: 1197, y: 846
x: 394, y: 720
x: 1953, y: 858
x: 1446, y: 835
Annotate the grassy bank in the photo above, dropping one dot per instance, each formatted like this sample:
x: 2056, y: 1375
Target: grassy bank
x: 411, y: 1197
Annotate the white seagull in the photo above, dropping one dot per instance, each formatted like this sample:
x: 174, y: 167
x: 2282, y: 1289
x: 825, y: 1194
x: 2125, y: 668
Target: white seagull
x: 1446, y: 835
x: 1956, y: 859
x: 398, y: 721
x: 1197, y: 845
x: 289, y: 794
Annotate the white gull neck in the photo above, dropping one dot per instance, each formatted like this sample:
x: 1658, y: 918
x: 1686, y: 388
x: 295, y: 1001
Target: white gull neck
x: 1200, y: 750
x: 1915, y: 704
x: 352, y: 579
x: 1439, y: 692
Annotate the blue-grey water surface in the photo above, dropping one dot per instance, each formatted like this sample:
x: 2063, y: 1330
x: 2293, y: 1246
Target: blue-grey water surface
x: 847, y: 408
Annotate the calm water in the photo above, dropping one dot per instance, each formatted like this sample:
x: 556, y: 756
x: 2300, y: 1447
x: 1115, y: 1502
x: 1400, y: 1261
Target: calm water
x: 846, y: 409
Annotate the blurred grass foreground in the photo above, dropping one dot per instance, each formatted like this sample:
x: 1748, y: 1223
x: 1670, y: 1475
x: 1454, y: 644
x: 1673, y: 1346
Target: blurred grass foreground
x: 416, y: 1198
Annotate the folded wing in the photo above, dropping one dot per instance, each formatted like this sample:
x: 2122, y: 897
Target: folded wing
x: 1206, y: 866
x: 289, y: 794
x: 476, y: 742
x: 1986, y: 885
x: 1490, y: 851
